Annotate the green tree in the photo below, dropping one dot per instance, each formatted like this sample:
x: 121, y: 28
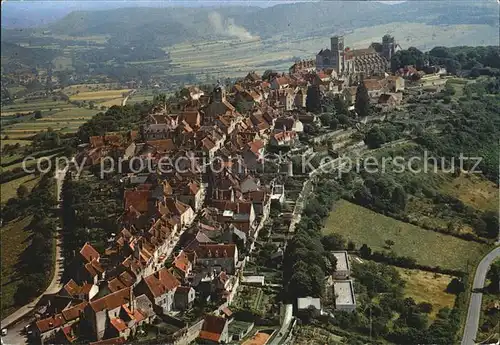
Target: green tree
x: 334, y: 242
x: 313, y: 99
x: 375, y: 138
x: 341, y: 106
x: 455, y: 286
x: 22, y: 191
x: 362, y: 104
x: 494, y: 276
x: 365, y: 251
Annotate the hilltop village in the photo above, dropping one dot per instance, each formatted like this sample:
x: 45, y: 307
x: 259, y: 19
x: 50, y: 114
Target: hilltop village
x: 183, y: 256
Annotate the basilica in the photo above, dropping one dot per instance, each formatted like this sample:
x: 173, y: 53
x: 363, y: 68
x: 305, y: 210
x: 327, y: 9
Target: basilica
x: 353, y: 63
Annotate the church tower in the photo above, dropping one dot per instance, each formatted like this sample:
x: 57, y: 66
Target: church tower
x: 219, y: 93
x: 337, y: 48
x: 388, y: 47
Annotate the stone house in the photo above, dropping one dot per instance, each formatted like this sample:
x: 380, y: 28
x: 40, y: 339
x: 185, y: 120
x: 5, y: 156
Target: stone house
x: 395, y: 83
x: 192, y: 194
x: 47, y: 328
x: 284, y: 139
x: 239, y: 213
x: 184, y: 297
x: 223, y: 257
x: 100, y: 312
x: 87, y: 266
x: 288, y: 124
x: 214, y: 330
x: 160, y: 288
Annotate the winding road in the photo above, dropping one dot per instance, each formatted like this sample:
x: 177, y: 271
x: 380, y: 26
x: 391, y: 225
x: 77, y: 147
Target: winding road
x: 474, y: 312
x: 22, y: 316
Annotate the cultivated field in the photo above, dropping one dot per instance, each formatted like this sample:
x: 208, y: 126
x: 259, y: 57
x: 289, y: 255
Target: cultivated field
x: 14, y: 142
x: 428, y: 287
x: 363, y: 226
x: 74, y: 89
x: 29, y: 107
x: 68, y: 119
x: 18, y: 235
x: 9, y: 189
x: 142, y: 95
x: 99, y: 95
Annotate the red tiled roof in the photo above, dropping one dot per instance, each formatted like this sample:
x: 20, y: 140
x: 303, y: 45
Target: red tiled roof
x: 86, y: 288
x: 88, y: 252
x: 74, y: 312
x: 138, y: 199
x: 191, y: 117
x: 161, y: 282
x: 242, y: 207
x: 164, y: 145
x: 112, y: 300
x: 72, y: 288
x: 255, y: 146
x: 50, y: 323
x: 183, y: 290
x: 285, y: 135
x: 212, y: 328
x: 208, y: 143
x: 215, y: 250
x: 119, y: 324
x: 182, y: 261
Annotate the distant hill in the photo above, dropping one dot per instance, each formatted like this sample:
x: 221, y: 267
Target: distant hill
x: 174, y: 24
x: 149, y: 29
x: 15, y: 56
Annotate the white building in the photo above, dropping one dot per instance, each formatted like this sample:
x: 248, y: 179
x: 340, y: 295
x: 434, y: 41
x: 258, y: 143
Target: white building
x: 343, y: 270
x: 305, y: 303
x: 344, y: 295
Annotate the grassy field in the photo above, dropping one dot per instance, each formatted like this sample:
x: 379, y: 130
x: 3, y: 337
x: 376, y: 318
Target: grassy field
x: 474, y: 191
x: 9, y: 188
x: 14, y: 142
x: 99, y: 95
x: 428, y: 287
x: 74, y: 89
x: 141, y: 95
x: 361, y: 226
x: 42, y: 105
x: 69, y: 119
x: 458, y: 85
x: 7, y: 159
x: 18, y: 235
x: 111, y: 102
